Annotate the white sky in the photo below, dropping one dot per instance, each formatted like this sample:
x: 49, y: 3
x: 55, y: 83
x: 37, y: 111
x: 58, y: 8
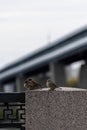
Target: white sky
x: 26, y: 25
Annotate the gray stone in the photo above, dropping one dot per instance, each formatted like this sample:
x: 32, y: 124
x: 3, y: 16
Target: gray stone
x: 64, y: 109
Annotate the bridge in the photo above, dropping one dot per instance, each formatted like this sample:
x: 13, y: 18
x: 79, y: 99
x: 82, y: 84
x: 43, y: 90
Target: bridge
x: 51, y: 58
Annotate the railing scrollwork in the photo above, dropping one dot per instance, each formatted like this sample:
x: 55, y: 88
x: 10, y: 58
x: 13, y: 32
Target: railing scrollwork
x: 12, y: 110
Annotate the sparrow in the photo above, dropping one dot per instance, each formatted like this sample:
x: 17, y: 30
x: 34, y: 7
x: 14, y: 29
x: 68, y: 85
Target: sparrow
x: 31, y: 84
x: 50, y: 84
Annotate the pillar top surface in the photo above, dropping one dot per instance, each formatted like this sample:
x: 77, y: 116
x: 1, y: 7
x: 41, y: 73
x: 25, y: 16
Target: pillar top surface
x: 61, y: 89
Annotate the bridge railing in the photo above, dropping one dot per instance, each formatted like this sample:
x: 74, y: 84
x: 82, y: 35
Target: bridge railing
x: 12, y: 110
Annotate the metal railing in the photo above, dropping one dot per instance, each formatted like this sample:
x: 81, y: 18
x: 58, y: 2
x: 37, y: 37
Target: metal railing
x: 12, y: 110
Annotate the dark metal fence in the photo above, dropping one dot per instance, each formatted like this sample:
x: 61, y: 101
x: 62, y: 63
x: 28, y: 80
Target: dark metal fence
x: 12, y: 110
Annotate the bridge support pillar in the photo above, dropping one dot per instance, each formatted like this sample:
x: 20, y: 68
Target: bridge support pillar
x: 83, y: 76
x: 1, y: 88
x: 20, y: 83
x: 58, y: 73
x: 43, y: 81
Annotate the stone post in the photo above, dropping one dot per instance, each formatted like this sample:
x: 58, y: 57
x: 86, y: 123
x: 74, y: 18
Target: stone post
x: 64, y: 109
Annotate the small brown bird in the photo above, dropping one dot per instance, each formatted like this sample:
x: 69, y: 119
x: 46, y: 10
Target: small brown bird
x: 51, y: 85
x: 31, y: 84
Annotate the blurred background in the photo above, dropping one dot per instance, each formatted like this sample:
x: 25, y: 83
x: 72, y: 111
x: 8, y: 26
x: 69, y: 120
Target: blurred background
x: 43, y: 39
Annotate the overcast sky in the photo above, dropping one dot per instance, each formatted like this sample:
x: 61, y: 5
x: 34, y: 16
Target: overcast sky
x: 26, y: 25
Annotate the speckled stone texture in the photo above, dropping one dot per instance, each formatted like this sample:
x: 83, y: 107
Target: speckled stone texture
x: 64, y: 109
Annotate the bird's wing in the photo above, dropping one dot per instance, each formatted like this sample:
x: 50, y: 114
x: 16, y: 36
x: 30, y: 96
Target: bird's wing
x: 36, y: 84
x: 53, y: 85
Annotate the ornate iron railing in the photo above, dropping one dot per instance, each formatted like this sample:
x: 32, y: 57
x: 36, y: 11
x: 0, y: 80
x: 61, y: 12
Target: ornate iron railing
x: 12, y: 110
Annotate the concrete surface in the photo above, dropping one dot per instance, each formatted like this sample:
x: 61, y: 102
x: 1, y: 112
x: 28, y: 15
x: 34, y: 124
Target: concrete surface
x: 64, y: 109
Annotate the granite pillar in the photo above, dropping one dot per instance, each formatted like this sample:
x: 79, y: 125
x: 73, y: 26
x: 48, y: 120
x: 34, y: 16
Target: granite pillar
x: 64, y: 109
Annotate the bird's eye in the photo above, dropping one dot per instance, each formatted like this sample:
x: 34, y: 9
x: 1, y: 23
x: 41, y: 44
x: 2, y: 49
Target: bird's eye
x: 25, y: 81
x: 29, y: 79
